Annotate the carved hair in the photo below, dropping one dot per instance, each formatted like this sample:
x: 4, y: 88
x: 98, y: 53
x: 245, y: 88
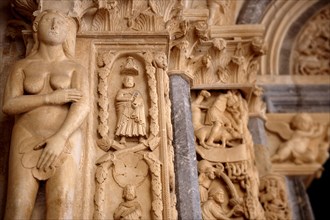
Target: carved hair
x: 69, y: 43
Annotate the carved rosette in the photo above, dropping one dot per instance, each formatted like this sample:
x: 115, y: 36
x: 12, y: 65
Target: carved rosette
x: 311, y: 51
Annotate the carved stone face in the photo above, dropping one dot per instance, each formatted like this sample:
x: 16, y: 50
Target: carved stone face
x: 129, y: 193
x: 129, y: 82
x: 219, y: 196
x: 161, y: 60
x: 207, y: 61
x: 52, y: 29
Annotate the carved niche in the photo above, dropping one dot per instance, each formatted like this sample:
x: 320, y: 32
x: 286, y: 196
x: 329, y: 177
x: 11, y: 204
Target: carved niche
x: 311, y: 51
x: 299, y: 143
x: 134, y: 175
x: 228, y: 181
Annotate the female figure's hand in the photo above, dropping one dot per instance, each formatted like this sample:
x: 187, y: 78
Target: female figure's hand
x: 53, y: 147
x: 62, y: 96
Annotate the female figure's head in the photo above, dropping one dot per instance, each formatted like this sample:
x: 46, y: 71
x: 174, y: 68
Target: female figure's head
x: 54, y: 28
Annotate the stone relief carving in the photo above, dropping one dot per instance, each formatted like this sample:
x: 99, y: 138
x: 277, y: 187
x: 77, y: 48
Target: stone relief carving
x: 257, y: 107
x: 125, y: 15
x: 227, y: 180
x: 220, y: 125
x: 311, y: 52
x: 129, y: 209
x: 218, y: 61
x: 135, y: 135
x: 221, y: 12
x: 273, y: 197
x: 130, y: 109
x: 48, y: 93
x: 302, y: 140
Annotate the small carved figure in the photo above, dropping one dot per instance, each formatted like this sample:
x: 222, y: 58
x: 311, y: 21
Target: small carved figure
x: 130, y: 110
x: 217, y: 125
x: 256, y: 104
x: 130, y: 209
x: 219, y: 11
x: 160, y: 61
x: 207, y: 173
x: 298, y: 135
x: 48, y: 93
x: 204, y: 73
x: 273, y: 198
x: 213, y: 207
x: 216, y: 117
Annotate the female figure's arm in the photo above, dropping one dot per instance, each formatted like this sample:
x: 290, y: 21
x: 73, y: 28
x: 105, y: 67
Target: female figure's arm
x: 16, y: 102
x: 76, y: 115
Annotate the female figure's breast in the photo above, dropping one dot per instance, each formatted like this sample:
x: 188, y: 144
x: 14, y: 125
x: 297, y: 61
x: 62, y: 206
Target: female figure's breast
x: 60, y: 81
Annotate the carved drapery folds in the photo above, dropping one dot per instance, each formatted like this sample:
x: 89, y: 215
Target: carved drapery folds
x: 299, y: 143
x: 311, y: 52
x: 131, y: 87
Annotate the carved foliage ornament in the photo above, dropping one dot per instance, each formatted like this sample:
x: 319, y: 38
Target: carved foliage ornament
x: 125, y: 15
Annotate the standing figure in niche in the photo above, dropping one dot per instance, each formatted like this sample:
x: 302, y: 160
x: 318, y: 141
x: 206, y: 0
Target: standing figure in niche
x: 130, y: 110
x: 48, y: 94
x: 130, y: 209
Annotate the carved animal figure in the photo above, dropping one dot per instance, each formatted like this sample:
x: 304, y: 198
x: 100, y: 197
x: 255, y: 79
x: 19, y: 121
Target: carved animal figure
x: 204, y: 133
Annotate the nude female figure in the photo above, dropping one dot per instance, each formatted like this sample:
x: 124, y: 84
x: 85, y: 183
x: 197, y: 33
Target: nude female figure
x: 47, y: 92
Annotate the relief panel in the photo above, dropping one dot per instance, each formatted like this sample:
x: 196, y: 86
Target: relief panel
x: 228, y: 181
x: 299, y: 143
x: 134, y: 174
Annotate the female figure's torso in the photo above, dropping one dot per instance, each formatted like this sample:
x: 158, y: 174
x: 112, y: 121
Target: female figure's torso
x: 41, y: 77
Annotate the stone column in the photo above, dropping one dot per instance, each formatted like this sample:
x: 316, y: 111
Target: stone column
x: 188, y: 198
x: 298, y: 198
x: 257, y: 129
